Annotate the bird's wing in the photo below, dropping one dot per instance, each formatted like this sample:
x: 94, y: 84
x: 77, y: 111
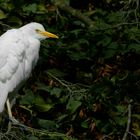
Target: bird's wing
x: 12, y: 49
x: 12, y: 55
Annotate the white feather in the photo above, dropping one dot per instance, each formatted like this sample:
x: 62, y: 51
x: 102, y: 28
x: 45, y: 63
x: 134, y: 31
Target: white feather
x: 19, y: 52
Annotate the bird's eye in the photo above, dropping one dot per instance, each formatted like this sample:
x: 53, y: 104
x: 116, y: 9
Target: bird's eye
x: 37, y: 30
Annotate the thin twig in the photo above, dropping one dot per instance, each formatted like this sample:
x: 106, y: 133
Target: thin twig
x: 74, y: 89
x: 128, y: 122
x: 41, y: 132
x: 5, y: 26
x: 38, y: 131
x: 12, y: 135
x: 118, y: 25
x: 133, y: 135
x: 63, y: 84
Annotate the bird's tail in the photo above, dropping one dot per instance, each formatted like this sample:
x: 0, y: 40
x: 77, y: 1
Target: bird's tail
x: 3, y: 96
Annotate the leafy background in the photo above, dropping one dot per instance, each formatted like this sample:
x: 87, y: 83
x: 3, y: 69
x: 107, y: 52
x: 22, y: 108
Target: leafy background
x: 86, y: 84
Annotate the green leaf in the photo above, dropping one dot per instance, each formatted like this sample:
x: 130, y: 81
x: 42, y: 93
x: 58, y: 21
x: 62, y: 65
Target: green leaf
x: 121, y: 121
x: 109, y: 53
x: 136, y: 128
x: 28, y: 98
x: 43, y: 87
x: 120, y: 108
x: 115, y: 15
x: 111, y: 50
x: 113, y: 45
x: 62, y: 117
x: 77, y: 55
x: 84, y: 124
x: 84, y: 41
x: 137, y: 116
x: 64, y: 99
x: 79, y: 23
x: 76, y: 32
x: 56, y: 92
x: 56, y: 72
x: 41, y: 105
x: 137, y: 132
x: 6, y: 6
x: 14, y: 21
x: 62, y: 2
x: 105, y: 41
x: 73, y: 105
x: 42, y: 8
x: 136, y: 47
x: 30, y: 8
x: 47, y: 124
x: 39, y: 100
x: 32, y: 138
x: 2, y: 15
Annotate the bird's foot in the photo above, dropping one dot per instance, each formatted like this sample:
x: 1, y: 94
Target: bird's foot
x: 13, y: 120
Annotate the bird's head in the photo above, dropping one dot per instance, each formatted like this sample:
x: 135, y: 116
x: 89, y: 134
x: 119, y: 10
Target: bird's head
x: 37, y: 31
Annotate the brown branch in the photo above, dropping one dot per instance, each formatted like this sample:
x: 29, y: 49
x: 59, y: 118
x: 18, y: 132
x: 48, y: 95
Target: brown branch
x: 61, y: 5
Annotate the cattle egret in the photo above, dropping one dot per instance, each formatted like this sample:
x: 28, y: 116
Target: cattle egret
x: 19, y: 52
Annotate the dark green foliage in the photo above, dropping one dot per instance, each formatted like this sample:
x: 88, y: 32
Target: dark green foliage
x: 85, y: 80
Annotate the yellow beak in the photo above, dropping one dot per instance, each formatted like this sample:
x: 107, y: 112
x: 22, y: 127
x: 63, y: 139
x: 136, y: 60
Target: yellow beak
x: 48, y: 34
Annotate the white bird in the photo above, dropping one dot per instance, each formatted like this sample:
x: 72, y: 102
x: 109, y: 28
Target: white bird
x: 19, y: 52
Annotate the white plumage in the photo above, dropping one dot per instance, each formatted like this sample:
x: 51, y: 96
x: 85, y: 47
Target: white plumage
x: 19, y: 52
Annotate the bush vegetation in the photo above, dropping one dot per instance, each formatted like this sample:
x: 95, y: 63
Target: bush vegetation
x: 86, y: 84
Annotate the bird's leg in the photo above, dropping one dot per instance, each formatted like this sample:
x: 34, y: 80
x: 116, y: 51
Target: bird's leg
x: 11, y: 118
x: 10, y: 112
x: 9, y: 108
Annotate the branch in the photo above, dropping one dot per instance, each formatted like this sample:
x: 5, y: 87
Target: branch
x: 120, y: 24
x: 61, y: 5
x: 76, y: 13
x: 63, y: 84
x: 128, y: 122
x: 32, y: 130
x: 73, y: 89
x: 5, y: 26
x: 133, y: 135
